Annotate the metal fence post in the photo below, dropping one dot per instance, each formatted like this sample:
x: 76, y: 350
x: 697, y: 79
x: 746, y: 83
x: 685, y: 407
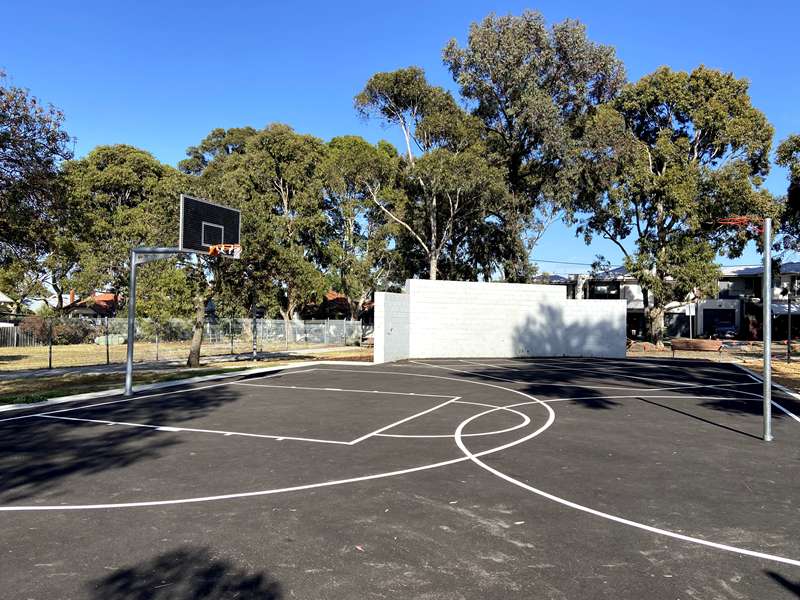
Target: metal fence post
x: 157, y: 342
x: 131, y: 327
x: 108, y: 354
x: 230, y: 332
x: 789, y: 333
x: 254, y: 333
x: 50, y: 344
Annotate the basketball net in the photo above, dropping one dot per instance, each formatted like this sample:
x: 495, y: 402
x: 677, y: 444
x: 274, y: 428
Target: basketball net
x: 227, y: 250
x: 744, y: 222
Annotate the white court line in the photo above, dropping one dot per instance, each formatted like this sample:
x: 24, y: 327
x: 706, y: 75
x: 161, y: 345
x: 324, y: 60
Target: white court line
x: 311, y: 486
x: 458, y: 435
x: 525, y: 421
x: 172, y: 428
x: 597, y: 370
x: 657, y: 530
x: 782, y: 388
x: 601, y: 387
x: 329, y: 389
x: 540, y: 383
x: 468, y: 456
x: 643, y: 397
x: 132, y: 398
x: 406, y: 420
x: 621, y: 363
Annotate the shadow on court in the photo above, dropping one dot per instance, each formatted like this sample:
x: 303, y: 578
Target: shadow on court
x: 186, y: 572
x: 789, y: 585
x: 37, y: 454
x: 698, y: 418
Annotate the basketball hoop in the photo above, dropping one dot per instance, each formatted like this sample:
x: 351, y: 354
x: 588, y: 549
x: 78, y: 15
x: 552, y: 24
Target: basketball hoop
x: 227, y: 250
x: 762, y: 226
x: 744, y: 222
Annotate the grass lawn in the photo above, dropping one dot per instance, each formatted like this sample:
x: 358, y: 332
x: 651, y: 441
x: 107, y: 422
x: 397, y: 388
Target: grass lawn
x: 25, y: 390
x: 80, y: 355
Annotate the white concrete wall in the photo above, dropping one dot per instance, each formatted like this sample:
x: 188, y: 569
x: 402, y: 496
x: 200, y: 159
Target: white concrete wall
x: 391, y: 327
x: 470, y: 319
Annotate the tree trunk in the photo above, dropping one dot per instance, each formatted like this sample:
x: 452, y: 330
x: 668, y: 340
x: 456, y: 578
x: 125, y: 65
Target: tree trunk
x: 197, y: 332
x: 288, y: 331
x: 434, y: 266
x: 656, y: 325
x: 355, y: 308
x: 646, y: 303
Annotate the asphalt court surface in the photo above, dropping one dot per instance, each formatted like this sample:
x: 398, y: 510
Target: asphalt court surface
x: 478, y: 478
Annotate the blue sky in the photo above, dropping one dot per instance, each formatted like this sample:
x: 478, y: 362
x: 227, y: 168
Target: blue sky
x: 161, y: 75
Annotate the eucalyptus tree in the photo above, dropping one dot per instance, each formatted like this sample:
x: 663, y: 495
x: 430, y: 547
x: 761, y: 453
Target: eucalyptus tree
x: 533, y: 88
x: 400, y: 97
x: 354, y: 173
x: 673, y: 154
x: 451, y: 185
x: 788, y: 156
x: 273, y: 176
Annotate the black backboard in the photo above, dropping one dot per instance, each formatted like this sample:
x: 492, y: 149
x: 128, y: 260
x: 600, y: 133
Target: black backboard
x: 204, y: 224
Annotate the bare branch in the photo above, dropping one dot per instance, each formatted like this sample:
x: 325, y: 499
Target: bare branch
x: 373, y: 192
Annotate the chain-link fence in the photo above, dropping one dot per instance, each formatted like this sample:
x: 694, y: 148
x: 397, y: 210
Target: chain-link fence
x: 37, y: 342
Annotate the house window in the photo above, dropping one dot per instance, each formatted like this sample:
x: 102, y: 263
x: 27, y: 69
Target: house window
x: 606, y: 290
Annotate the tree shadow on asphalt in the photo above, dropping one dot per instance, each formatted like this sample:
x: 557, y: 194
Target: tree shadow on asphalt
x: 753, y: 407
x: 698, y: 418
x: 186, y: 572
x: 792, y: 586
x: 549, y: 334
x: 38, y: 454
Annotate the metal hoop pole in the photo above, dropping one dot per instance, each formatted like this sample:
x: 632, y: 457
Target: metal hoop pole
x: 767, y: 330
x: 131, y: 326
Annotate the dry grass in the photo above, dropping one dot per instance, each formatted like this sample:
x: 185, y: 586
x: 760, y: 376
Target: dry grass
x: 42, y: 387
x: 787, y: 374
x: 82, y: 355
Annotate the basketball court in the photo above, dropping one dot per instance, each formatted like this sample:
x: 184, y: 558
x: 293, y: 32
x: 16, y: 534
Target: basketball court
x: 446, y: 479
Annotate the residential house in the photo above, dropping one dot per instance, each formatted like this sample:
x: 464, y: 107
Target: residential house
x: 737, y: 304
x: 99, y: 304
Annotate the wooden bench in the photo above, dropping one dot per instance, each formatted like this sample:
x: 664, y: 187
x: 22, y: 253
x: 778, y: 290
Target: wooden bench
x: 696, y: 345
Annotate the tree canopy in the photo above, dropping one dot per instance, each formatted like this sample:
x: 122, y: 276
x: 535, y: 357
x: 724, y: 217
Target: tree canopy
x: 673, y: 154
x: 33, y: 144
x: 533, y: 88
